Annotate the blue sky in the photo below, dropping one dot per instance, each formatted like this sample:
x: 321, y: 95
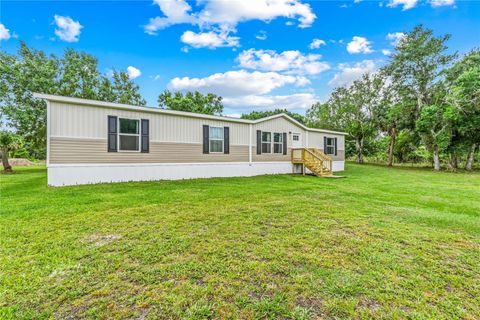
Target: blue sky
x: 257, y: 54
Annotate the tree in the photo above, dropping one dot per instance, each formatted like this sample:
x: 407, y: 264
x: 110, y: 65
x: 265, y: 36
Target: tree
x: 322, y: 115
x: 120, y: 89
x: 254, y: 115
x: 464, y: 80
x: 418, y: 63
x: 435, y: 124
x: 350, y: 109
x: 32, y: 71
x: 387, y: 113
x: 79, y: 75
x: 9, y: 142
x: 191, y: 102
x: 125, y: 90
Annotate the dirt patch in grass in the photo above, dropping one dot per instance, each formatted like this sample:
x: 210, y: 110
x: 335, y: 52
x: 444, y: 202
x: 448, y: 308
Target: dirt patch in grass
x: 100, y: 240
x: 313, y: 305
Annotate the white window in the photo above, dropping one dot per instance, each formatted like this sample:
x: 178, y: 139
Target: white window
x: 216, y: 139
x: 296, y: 137
x: 128, y: 134
x: 330, y: 147
x: 277, y: 142
x: 266, y: 142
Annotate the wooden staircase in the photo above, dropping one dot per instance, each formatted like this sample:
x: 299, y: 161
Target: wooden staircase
x: 314, y: 159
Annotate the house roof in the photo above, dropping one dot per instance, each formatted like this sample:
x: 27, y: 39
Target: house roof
x: 97, y: 103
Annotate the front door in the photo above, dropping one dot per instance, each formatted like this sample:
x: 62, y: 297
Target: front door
x: 296, y: 140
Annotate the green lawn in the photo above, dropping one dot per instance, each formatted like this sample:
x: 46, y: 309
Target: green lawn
x: 382, y: 243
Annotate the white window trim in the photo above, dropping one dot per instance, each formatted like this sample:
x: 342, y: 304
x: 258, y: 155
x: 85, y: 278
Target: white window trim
x: 271, y: 142
x: 280, y: 143
x: 210, y: 139
x: 330, y: 145
x: 129, y: 134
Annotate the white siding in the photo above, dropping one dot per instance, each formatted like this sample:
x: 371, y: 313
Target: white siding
x: 315, y: 140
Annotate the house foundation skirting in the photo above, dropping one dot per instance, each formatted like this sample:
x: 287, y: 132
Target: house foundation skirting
x: 76, y: 174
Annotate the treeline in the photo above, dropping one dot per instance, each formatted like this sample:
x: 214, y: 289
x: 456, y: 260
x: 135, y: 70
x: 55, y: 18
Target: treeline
x: 422, y: 106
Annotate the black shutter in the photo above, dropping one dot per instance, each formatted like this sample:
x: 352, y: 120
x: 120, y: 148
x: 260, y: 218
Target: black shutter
x: 145, y: 135
x: 335, y: 140
x: 226, y: 140
x: 206, y: 138
x: 259, y: 142
x: 112, y: 134
x: 325, y: 145
x: 284, y: 143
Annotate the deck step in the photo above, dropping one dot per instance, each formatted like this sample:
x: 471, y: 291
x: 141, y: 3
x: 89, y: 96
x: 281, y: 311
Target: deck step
x: 315, y: 160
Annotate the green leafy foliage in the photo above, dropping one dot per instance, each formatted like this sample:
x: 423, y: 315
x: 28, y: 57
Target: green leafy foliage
x: 191, y: 102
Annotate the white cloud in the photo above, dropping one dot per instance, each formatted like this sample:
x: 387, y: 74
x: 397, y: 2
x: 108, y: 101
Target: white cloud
x: 292, y: 61
x: 351, y: 72
x: 237, y: 83
x: 395, y: 38
x: 4, y: 32
x: 293, y: 101
x: 175, y: 12
x: 359, y: 45
x: 133, y: 72
x: 407, y: 4
x: 261, y: 35
x: 316, y: 43
x: 155, y: 77
x: 67, y: 29
x: 211, y: 39
x: 441, y: 3
x: 386, y: 52
x: 229, y: 13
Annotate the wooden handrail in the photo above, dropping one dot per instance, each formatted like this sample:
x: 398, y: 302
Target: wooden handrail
x: 321, y: 154
x: 314, y: 159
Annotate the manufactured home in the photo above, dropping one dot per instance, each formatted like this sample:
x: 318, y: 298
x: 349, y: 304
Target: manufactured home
x: 93, y: 141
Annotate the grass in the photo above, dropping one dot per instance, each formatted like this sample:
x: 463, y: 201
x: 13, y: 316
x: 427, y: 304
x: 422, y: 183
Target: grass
x: 382, y: 243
